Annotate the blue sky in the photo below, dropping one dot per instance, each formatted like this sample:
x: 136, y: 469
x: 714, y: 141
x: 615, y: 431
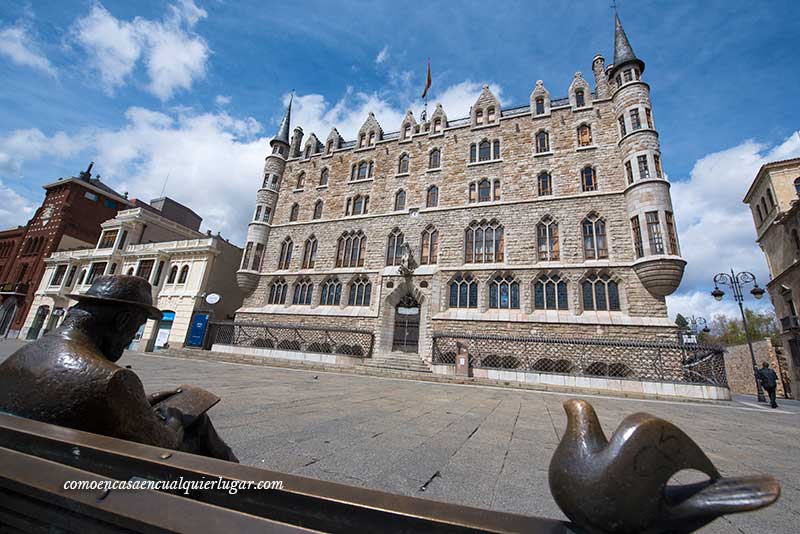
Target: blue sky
x: 190, y: 92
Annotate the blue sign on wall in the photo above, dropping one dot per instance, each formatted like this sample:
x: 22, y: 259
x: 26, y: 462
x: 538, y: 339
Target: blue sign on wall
x: 198, y: 330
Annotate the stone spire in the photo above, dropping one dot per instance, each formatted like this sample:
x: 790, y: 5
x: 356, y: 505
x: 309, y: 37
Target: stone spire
x: 283, y: 130
x: 623, y: 51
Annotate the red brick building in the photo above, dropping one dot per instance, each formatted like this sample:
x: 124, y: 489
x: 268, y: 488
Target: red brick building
x: 68, y: 218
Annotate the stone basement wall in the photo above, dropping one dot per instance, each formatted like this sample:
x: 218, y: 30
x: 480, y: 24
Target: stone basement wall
x: 740, y: 369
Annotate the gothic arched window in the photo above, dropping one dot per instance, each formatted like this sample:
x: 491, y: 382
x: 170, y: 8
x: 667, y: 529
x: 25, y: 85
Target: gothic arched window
x: 277, y: 292
x: 402, y: 166
x: 547, y: 239
x: 318, y: 209
x: 473, y: 151
x: 323, y: 177
x: 432, y: 197
x: 360, y: 291
x: 400, y: 200
x: 504, y: 292
x: 285, y: 258
x: 463, y: 292
x: 350, y: 249
x: 301, y: 180
x: 294, y: 212
x: 484, y: 150
x: 331, y: 292
x: 434, y: 159
x: 173, y: 273
x: 310, y: 253
x: 484, y: 242
x: 303, y: 290
x: 429, y: 246
x: 394, y: 247
x: 600, y: 293
x: 594, y: 238
x: 550, y: 293
x: 542, y: 142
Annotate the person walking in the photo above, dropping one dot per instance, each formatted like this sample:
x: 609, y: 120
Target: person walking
x: 769, y: 381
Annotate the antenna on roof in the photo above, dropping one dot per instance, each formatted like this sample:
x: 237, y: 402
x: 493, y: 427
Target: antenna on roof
x: 164, y: 188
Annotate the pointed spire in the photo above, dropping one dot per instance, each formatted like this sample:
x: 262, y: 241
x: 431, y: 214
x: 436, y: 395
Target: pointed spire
x: 623, y: 51
x: 283, y: 129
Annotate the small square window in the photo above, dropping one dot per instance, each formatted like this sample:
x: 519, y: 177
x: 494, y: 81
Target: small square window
x: 91, y: 196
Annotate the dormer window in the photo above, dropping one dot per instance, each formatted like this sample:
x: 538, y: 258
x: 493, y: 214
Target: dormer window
x: 540, y: 106
x: 329, y: 147
x: 628, y: 75
x: 361, y: 139
x: 371, y: 138
x: 308, y: 152
x: 490, y: 115
x: 407, y: 131
x: 580, y: 101
x: 479, y: 117
x: 437, y: 126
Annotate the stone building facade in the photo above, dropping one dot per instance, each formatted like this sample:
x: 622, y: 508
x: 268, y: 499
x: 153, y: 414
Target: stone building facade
x: 552, y: 218
x: 160, y: 242
x: 774, y: 199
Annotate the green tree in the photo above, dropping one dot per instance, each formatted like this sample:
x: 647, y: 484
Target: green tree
x: 760, y: 325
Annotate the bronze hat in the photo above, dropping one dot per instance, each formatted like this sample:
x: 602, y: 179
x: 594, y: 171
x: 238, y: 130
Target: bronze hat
x: 132, y: 290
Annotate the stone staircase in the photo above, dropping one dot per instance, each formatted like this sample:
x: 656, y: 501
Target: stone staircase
x: 401, y: 361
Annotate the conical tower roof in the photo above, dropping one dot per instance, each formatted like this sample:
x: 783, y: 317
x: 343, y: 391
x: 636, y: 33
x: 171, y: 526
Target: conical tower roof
x: 283, y: 130
x: 623, y: 51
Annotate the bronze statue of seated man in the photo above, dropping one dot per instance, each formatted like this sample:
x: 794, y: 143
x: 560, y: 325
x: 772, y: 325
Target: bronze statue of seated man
x: 69, y: 378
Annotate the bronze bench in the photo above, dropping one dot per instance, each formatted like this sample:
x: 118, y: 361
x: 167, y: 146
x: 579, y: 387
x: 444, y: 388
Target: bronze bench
x: 36, y: 459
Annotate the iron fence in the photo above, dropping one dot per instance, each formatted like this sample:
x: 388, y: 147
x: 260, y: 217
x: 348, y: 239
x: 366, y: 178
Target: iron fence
x: 663, y: 361
x: 341, y: 341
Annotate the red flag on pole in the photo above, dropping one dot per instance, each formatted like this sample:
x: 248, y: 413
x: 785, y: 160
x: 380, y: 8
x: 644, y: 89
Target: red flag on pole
x: 428, y: 82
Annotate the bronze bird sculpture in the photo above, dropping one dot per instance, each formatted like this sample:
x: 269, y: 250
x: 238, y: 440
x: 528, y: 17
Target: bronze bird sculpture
x: 620, y: 485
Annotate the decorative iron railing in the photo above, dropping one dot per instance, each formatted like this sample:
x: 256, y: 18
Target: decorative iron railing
x: 663, y: 361
x: 341, y: 341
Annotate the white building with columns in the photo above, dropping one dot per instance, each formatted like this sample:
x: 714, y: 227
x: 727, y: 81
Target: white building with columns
x: 160, y: 242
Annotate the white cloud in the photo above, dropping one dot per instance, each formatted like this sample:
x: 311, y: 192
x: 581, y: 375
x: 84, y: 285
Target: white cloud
x: 174, y: 56
x: 457, y: 99
x: 25, y: 145
x: 18, y: 45
x: 382, y: 55
x: 715, y: 227
x: 14, y: 209
x: 222, y: 100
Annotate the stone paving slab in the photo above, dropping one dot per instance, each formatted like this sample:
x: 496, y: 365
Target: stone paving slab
x: 476, y: 445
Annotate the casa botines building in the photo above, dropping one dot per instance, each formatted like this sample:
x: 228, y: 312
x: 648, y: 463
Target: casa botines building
x: 549, y: 219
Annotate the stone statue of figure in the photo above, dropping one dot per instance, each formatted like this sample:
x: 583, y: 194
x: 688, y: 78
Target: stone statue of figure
x: 406, y: 259
x: 69, y: 378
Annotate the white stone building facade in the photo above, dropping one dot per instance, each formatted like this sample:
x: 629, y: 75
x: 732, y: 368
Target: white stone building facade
x: 182, y: 264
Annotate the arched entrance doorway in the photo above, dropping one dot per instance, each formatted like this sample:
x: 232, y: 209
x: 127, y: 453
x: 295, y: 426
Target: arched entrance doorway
x: 406, y: 325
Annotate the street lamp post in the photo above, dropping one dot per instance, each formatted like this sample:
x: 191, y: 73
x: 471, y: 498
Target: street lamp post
x: 697, y: 325
x: 735, y: 282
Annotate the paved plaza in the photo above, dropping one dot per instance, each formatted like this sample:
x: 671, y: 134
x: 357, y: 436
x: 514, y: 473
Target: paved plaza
x: 474, y: 445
